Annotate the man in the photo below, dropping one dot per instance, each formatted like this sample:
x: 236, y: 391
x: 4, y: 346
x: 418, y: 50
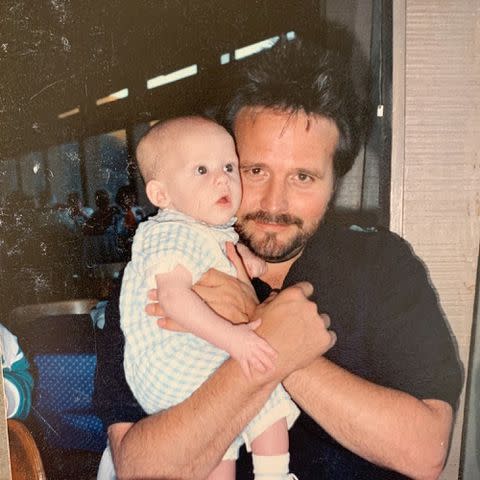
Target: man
x: 379, y: 403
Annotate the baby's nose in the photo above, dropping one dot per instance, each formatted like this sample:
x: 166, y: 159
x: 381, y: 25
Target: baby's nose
x: 221, y: 178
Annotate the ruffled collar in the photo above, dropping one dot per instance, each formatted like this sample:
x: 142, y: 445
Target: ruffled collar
x: 168, y: 215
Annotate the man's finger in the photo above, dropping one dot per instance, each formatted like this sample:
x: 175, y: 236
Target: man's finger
x: 326, y: 319
x: 234, y: 257
x: 271, y: 296
x: 255, y: 324
x: 305, y: 287
x: 212, y: 278
x: 333, y: 338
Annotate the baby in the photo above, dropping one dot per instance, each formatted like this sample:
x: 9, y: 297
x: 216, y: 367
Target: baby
x: 191, y: 173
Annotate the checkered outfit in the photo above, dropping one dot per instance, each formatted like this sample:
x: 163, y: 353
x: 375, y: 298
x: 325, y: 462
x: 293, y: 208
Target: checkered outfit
x: 163, y: 368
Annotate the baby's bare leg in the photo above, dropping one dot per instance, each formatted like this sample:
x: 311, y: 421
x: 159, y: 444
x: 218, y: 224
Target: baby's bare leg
x: 225, y: 470
x: 273, y: 441
x: 270, y: 453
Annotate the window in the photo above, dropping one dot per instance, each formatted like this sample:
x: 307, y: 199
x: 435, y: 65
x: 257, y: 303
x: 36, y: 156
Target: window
x: 113, y: 97
x: 255, y: 48
x: 172, y: 77
x: 69, y: 113
x: 8, y: 178
x: 63, y: 170
x: 32, y: 168
x: 106, y: 163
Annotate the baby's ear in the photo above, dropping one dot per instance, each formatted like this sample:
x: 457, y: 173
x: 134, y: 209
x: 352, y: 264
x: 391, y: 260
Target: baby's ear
x: 157, y: 193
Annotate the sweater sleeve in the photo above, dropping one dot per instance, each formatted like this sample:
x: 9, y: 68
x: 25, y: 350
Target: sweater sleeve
x: 416, y: 350
x: 18, y: 380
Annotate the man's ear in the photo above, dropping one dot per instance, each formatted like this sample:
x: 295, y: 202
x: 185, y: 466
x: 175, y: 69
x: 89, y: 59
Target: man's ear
x: 157, y: 193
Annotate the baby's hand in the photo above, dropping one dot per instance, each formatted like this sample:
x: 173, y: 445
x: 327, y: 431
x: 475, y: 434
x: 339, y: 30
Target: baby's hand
x: 254, y: 265
x: 251, y: 350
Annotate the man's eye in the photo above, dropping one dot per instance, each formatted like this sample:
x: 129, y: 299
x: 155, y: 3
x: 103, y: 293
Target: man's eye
x: 254, y: 174
x: 304, y: 177
x: 201, y: 170
x: 228, y: 168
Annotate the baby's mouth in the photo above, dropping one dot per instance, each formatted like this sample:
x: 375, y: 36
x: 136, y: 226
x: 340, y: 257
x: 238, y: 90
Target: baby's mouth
x: 224, y: 200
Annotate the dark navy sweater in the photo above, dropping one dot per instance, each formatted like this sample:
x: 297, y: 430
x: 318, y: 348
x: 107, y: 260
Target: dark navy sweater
x: 390, y: 329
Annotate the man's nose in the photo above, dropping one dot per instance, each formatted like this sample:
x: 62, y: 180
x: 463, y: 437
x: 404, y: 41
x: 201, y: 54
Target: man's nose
x: 274, y: 197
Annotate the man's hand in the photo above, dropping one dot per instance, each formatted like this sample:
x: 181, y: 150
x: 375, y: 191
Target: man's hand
x: 294, y: 328
x: 231, y: 298
x: 225, y: 295
x: 251, y: 350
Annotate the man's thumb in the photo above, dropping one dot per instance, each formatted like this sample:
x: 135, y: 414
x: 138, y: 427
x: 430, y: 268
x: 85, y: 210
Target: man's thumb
x: 255, y: 324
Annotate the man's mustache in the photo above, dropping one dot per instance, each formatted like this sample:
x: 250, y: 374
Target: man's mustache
x: 281, y: 219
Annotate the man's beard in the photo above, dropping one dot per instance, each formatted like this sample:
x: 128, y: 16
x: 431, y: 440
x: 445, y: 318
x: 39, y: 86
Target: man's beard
x: 268, y: 247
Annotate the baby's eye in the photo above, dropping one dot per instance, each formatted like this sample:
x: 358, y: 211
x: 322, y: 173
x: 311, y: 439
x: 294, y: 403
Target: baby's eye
x: 228, y: 168
x: 201, y: 170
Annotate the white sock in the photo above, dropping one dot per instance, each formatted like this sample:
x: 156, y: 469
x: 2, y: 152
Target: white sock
x: 271, y: 467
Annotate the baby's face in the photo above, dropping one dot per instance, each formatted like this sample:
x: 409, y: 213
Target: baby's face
x: 205, y: 183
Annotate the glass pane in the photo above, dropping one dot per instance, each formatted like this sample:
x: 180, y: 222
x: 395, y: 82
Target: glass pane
x: 106, y: 163
x: 32, y: 167
x: 255, y: 48
x: 138, y: 131
x: 172, y: 77
x: 8, y: 178
x: 63, y: 171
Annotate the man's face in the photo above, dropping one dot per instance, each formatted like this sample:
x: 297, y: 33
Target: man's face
x: 286, y: 165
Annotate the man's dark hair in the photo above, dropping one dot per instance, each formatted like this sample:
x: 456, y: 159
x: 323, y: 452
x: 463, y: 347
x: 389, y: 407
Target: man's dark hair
x: 299, y: 76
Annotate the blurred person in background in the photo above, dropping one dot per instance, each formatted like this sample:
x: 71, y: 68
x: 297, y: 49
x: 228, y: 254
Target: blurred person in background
x: 127, y: 219
x: 17, y: 379
x: 74, y: 214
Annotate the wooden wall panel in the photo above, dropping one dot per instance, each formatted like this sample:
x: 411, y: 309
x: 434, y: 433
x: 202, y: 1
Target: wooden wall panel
x: 438, y: 207
x: 5, y: 473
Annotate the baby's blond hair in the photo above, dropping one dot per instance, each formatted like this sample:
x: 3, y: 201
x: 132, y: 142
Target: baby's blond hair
x: 153, y: 147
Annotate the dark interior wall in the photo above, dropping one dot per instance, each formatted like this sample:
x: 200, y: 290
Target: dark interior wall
x: 55, y: 56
